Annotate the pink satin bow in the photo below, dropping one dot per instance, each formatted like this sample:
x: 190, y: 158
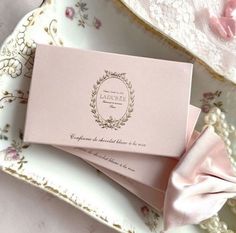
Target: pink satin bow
x: 225, y: 26
x: 201, y: 182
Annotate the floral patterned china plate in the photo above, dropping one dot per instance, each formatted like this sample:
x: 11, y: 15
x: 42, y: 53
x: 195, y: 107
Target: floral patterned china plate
x: 99, y: 25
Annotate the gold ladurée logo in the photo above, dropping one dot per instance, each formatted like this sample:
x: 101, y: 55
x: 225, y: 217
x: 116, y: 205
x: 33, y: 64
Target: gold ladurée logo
x: 112, y: 100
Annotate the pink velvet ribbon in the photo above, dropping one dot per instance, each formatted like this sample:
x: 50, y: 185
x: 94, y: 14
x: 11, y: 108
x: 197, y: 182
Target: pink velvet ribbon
x: 200, y: 183
x: 225, y: 26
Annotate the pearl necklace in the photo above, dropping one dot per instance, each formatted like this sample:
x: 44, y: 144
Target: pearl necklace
x: 216, y: 119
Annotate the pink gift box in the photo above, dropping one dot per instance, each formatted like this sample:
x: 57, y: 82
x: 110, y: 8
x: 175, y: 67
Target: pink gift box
x: 117, y: 112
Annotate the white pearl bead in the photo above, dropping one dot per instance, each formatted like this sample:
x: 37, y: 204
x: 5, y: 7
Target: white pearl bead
x: 203, y: 226
x: 224, y: 125
x: 231, y: 159
x: 214, y: 224
x: 231, y: 128
x: 222, y: 116
x: 227, y: 141
x: 225, y: 132
x: 223, y: 226
x: 216, y: 217
x: 210, y: 119
x: 229, y: 151
x: 216, y: 110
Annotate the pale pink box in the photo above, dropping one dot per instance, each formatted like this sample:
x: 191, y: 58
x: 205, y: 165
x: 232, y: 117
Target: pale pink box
x: 146, y: 176
x: 154, y: 93
x: 108, y: 101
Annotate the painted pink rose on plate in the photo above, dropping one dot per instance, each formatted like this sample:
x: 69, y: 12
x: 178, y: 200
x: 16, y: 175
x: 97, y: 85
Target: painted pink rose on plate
x: 80, y: 14
x: 11, y: 154
x: 70, y: 13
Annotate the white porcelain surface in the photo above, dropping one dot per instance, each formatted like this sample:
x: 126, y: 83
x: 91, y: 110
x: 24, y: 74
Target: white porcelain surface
x: 49, y: 215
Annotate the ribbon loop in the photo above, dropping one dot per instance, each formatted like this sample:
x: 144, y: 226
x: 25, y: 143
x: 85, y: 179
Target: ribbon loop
x: 201, y: 182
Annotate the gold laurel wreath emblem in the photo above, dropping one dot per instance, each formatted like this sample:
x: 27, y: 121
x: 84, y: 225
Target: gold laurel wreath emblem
x: 112, y: 123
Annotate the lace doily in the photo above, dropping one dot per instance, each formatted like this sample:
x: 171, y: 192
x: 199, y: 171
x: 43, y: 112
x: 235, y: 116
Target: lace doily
x: 187, y: 22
